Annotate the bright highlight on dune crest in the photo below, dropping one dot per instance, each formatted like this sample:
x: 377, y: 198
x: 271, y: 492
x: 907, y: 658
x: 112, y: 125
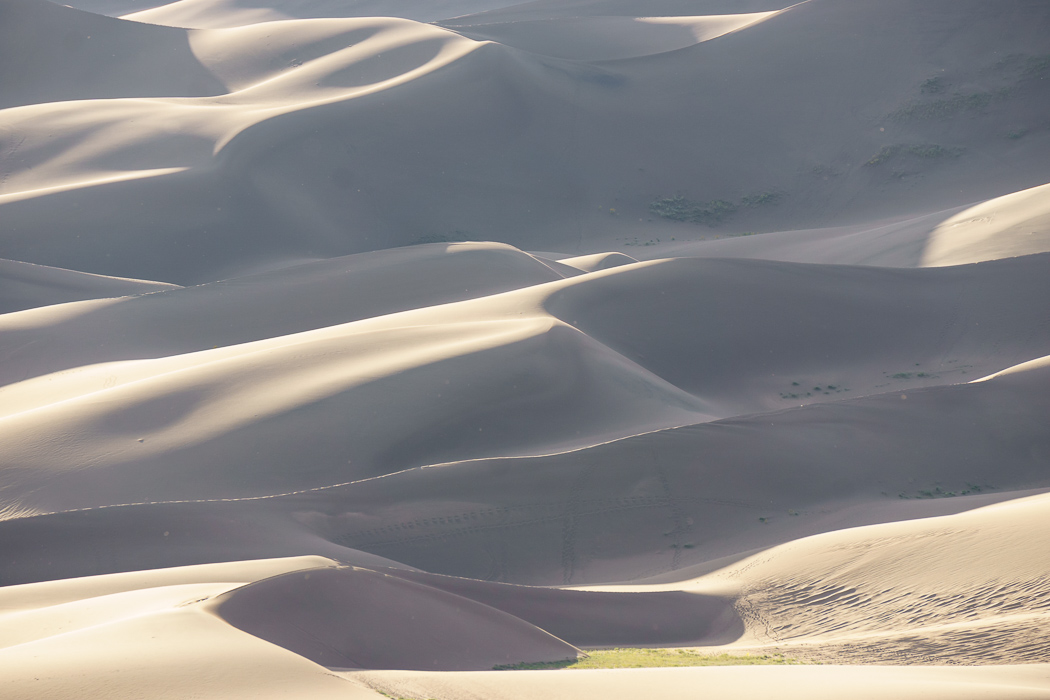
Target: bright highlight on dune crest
x: 462, y: 349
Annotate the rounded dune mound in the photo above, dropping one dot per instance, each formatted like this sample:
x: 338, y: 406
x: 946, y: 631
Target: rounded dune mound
x: 1007, y: 226
x: 358, y: 618
x: 27, y: 286
x: 50, y: 53
x: 598, y: 261
x: 609, y: 38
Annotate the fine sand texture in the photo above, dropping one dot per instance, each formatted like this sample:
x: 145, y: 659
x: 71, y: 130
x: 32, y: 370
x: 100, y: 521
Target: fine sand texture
x: 354, y: 349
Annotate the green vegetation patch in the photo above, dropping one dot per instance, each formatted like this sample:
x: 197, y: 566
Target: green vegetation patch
x: 709, y: 213
x: 943, y: 108
x: 928, y: 151
x: 650, y: 658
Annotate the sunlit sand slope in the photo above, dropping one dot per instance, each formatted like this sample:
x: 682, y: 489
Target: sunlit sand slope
x: 789, y: 683
x: 299, y: 297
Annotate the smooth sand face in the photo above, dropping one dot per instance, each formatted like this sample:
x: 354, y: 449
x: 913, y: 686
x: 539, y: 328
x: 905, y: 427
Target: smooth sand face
x: 287, y: 408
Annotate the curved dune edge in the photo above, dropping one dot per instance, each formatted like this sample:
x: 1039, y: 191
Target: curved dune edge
x: 27, y: 286
x: 610, y: 38
x: 1007, y: 226
x: 357, y: 618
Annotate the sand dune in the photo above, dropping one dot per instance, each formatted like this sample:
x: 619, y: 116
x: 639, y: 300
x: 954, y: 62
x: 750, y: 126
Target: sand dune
x: 306, y: 296
x: 256, y: 164
x: 383, y: 622
x: 235, y: 13
x: 791, y: 683
x: 287, y: 409
x: 26, y: 286
x: 1008, y: 226
x: 609, y: 38
x: 1015, y: 224
x: 51, y: 53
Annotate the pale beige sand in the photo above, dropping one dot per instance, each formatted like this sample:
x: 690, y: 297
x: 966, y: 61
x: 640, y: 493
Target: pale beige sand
x: 354, y: 454
x: 598, y: 261
x: 749, y: 683
x: 144, y: 635
x: 1015, y: 224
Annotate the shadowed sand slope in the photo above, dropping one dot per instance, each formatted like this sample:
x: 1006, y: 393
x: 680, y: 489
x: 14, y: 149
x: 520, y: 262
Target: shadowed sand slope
x: 356, y: 618
x: 1013, y: 225
x: 609, y: 38
x: 663, y: 500
x: 300, y: 297
x: 26, y: 286
x: 662, y: 618
x: 50, y: 53
x: 306, y: 157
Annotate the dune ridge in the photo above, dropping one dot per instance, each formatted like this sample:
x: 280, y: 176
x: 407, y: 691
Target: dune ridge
x: 351, y: 349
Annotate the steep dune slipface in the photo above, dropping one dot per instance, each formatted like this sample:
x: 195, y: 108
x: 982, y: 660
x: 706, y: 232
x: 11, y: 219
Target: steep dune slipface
x: 603, y: 619
x: 356, y: 618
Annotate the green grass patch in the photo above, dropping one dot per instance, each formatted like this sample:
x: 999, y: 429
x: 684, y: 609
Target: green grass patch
x: 709, y: 213
x: 650, y: 658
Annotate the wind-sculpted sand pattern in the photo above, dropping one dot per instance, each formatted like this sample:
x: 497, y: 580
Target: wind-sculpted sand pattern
x: 357, y: 348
